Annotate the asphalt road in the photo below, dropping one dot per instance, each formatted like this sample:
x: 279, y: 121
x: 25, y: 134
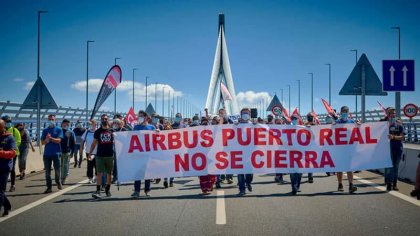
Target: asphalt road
x: 269, y: 210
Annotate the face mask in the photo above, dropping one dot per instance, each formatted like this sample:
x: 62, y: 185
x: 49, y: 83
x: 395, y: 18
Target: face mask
x: 140, y: 120
x: 65, y: 127
x: 310, y: 119
x: 8, y: 125
x: 294, y: 122
x: 245, y: 116
x: 115, y: 126
x: 196, y: 122
x: 51, y: 123
x: 155, y: 120
x: 393, y: 120
x: 177, y: 119
x: 344, y: 116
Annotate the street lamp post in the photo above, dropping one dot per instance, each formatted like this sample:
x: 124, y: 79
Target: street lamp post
x: 282, y: 100
x: 38, y: 123
x: 298, y: 94
x: 156, y: 97
x: 145, y: 107
x: 312, y: 91
x: 115, y: 92
x: 134, y: 69
x: 329, y: 82
x: 355, y: 50
x: 398, y: 94
x: 87, y: 79
x: 163, y: 101
x: 289, y: 97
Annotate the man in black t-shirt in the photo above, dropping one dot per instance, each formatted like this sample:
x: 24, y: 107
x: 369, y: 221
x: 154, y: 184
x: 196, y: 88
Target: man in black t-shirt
x: 104, y: 138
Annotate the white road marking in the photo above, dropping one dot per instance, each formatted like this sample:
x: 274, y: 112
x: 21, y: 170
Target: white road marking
x: 393, y: 193
x: 41, y: 201
x: 220, y: 208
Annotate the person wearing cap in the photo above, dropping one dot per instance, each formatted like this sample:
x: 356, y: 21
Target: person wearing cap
x: 396, y: 137
x: 26, y: 142
x: 344, y: 119
x: 51, y: 138
x: 67, y: 149
x: 7, y: 153
x: 78, y: 134
x: 16, y: 134
x: 142, y: 124
x: 310, y: 121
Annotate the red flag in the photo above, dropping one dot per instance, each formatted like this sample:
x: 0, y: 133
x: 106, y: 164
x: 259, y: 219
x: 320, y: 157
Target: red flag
x: 296, y: 112
x: 286, y: 114
x: 328, y: 108
x: 383, y: 108
x: 131, y: 117
x: 316, y: 118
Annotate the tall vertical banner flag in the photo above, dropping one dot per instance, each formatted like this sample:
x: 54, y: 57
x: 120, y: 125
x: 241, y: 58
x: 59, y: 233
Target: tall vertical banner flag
x: 225, y: 92
x: 131, y: 117
x: 112, y: 80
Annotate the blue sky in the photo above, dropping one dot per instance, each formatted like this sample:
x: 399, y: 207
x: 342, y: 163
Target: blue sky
x: 271, y: 44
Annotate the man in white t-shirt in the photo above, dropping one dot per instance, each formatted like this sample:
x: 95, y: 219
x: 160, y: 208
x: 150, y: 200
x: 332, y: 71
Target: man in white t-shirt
x: 87, y: 140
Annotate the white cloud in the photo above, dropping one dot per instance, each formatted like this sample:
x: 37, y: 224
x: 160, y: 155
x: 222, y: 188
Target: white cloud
x: 94, y: 85
x: 251, y: 98
x: 18, y: 80
x: 127, y: 88
x: 29, y: 85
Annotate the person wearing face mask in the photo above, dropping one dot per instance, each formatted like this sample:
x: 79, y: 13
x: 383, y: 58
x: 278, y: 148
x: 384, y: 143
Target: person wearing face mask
x: 245, y: 180
x: 142, y: 124
x: 310, y: 121
x: 51, y: 138
x: 26, y: 142
x: 178, y: 122
x: 16, y: 134
x: 86, y: 143
x: 7, y: 152
x: 78, y: 133
x: 396, y: 137
x: 195, y: 121
x: 117, y: 126
x: 344, y: 119
x: 67, y: 148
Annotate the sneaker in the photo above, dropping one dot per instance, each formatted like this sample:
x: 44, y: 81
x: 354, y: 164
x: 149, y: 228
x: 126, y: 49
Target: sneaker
x: 294, y: 192
x: 79, y: 166
x: 94, y: 180
x: 90, y: 181
x: 165, y: 184
x: 218, y: 186
x: 12, y: 188
x: 59, y: 186
x: 241, y: 193
x: 108, y: 194
x: 352, y: 188
x: 394, y: 187
x: 5, y: 213
x: 171, y: 185
x: 97, y: 195
x: 414, y: 193
x: 388, y: 187
x: 48, y: 190
x: 311, y: 180
x: 205, y: 192
x: 249, y: 188
x: 340, y: 188
x: 63, y: 181
x: 146, y: 193
x: 135, y: 194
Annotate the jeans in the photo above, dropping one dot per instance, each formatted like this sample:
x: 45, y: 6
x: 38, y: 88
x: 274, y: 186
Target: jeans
x: 75, y: 153
x: 91, y: 165
x: 55, y: 160
x: 244, y: 179
x: 137, y: 185
x: 23, y: 154
x: 4, y: 175
x: 13, y: 172
x: 295, y: 179
x: 65, y: 162
x: 171, y: 180
x: 391, y: 174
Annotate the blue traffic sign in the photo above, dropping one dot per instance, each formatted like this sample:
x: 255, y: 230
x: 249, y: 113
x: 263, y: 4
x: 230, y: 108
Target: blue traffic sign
x: 398, y: 75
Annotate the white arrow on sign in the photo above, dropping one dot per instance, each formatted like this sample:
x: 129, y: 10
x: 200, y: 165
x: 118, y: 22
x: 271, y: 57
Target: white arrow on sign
x: 404, y: 69
x: 392, y: 70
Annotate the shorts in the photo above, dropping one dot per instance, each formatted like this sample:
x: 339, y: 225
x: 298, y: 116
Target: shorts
x: 104, y: 164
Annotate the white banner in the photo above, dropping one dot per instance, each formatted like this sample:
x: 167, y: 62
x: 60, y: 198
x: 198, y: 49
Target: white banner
x: 248, y: 148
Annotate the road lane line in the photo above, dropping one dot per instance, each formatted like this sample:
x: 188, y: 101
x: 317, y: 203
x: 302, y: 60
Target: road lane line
x: 393, y: 193
x: 42, y: 200
x: 220, y: 208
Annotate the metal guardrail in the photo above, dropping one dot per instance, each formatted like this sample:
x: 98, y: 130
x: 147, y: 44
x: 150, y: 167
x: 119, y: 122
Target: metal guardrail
x: 28, y: 116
